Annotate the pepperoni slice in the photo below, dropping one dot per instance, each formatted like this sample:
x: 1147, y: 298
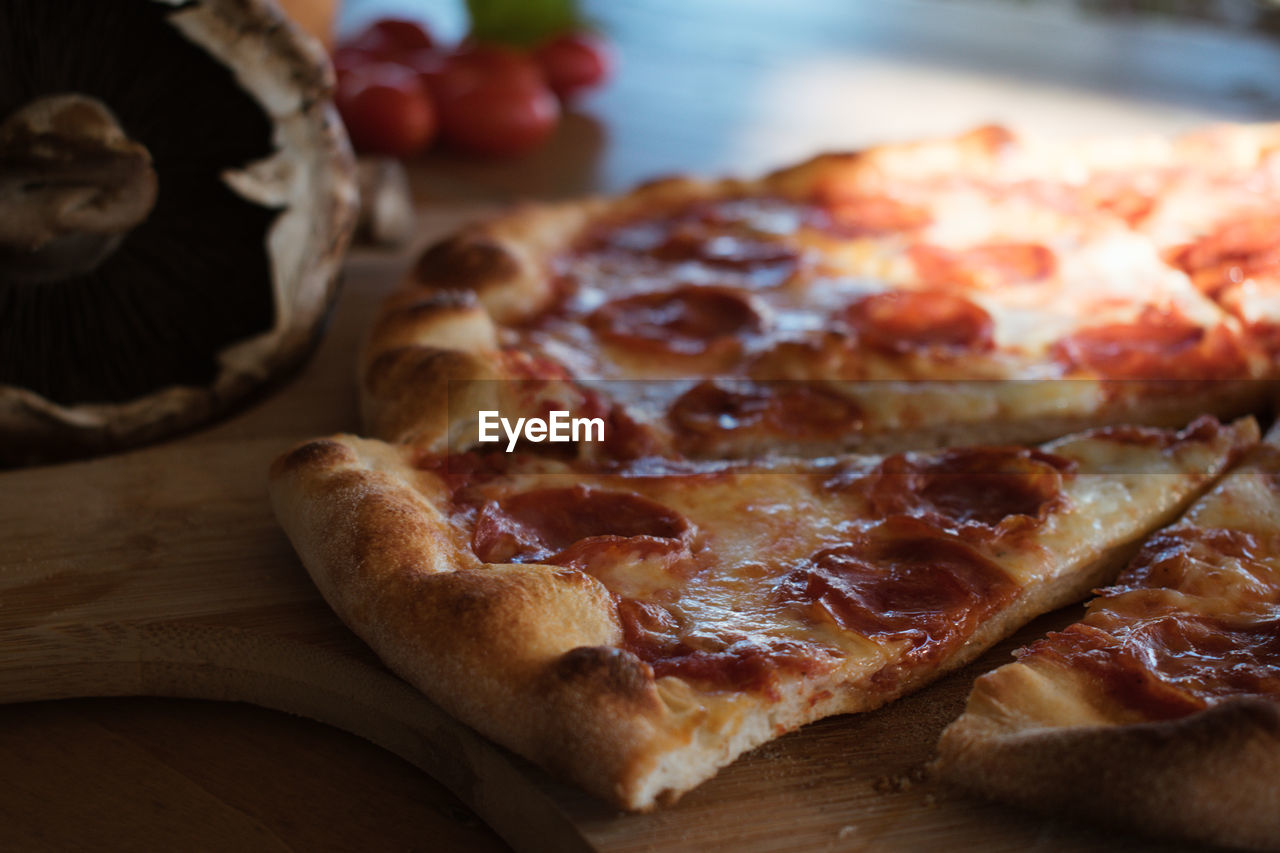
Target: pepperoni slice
x: 751, y: 664
x: 1204, y: 429
x: 462, y: 471
x: 744, y: 664
x: 902, y: 580
x: 636, y: 566
x: 991, y: 265
x: 859, y: 215
x: 981, y: 492
x: 1235, y: 251
x: 1120, y: 671
x: 1167, y: 666
x: 1175, y: 559
x: 539, y: 525
x: 1157, y: 345
x: 738, y: 252
x: 686, y: 321
x: 625, y: 438
x: 1126, y: 202
x: 787, y: 409
x: 720, y: 238
x: 1150, y: 655
x: 901, y: 322
x: 648, y: 629
x: 1214, y: 656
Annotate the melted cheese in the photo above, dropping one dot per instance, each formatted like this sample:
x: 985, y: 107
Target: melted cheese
x: 1109, y: 214
x: 752, y: 527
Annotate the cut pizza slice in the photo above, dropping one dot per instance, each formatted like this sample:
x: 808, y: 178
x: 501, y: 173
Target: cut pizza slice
x: 903, y: 296
x: 636, y: 626
x: 1160, y: 709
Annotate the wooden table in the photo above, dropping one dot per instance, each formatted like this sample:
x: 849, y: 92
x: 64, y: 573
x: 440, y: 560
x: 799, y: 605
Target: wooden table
x: 714, y: 86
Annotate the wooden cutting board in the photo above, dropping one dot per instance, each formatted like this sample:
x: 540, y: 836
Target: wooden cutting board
x: 162, y: 572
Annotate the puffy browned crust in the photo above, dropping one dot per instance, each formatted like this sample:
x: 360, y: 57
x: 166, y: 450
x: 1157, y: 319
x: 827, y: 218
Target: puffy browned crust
x: 465, y: 291
x: 311, y: 180
x: 476, y: 640
x: 1212, y: 777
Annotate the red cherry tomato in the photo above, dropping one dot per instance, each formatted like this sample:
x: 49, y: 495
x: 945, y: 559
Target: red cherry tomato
x: 427, y: 61
x: 387, y: 110
x: 475, y: 65
x: 500, y: 121
x: 347, y: 59
x: 390, y: 37
x: 493, y: 101
x: 574, y: 62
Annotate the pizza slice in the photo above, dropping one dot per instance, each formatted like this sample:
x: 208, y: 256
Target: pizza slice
x: 1160, y: 709
x: 636, y: 625
x: 984, y: 287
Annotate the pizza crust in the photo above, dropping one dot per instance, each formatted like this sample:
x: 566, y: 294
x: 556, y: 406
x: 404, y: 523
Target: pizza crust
x: 1209, y: 777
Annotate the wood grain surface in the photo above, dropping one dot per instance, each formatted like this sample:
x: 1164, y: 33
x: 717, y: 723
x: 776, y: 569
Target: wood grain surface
x: 162, y: 573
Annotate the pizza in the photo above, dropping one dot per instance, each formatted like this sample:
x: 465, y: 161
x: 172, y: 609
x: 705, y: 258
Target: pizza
x: 1161, y: 707
x: 635, y: 626
x: 904, y: 296
x: 649, y: 480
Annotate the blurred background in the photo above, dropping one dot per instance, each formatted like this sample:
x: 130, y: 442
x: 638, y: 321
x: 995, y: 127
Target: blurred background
x: 744, y: 85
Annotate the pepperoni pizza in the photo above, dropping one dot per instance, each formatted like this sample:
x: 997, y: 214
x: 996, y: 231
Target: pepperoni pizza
x: 635, y: 627
x: 973, y: 289
x: 761, y: 536
x: 1161, y: 708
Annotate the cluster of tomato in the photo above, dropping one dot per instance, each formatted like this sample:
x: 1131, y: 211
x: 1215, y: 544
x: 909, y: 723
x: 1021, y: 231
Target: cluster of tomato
x: 398, y: 90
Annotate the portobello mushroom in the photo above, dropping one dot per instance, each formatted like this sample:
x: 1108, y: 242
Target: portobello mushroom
x: 176, y: 193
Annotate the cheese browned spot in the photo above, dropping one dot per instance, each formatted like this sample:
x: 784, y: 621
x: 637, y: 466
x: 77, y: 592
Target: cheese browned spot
x: 537, y: 525
x: 748, y: 663
x: 685, y: 321
x: 910, y: 321
x: 902, y: 579
x: 1158, y: 344
x: 981, y: 492
x: 992, y: 265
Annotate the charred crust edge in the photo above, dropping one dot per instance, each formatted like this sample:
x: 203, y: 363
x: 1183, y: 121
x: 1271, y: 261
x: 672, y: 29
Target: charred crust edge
x: 619, y: 672
x: 465, y: 261
x: 320, y: 453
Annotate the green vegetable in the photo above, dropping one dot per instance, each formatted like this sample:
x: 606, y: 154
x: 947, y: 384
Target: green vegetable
x: 521, y: 23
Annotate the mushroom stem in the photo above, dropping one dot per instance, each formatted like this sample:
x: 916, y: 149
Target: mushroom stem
x: 72, y: 185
